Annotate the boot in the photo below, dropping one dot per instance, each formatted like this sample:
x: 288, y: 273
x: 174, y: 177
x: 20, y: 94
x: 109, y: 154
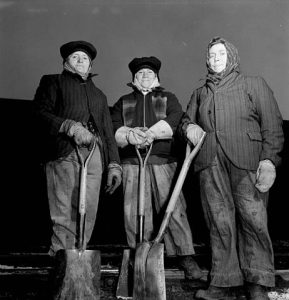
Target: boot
x: 256, y: 292
x: 215, y: 293
x: 190, y: 267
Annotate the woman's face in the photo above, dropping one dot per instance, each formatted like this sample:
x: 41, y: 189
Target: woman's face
x: 218, y: 57
x: 80, y: 61
x: 145, y: 77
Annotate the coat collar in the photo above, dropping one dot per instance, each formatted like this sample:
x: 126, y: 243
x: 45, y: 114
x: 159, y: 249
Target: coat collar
x: 156, y: 89
x: 77, y: 76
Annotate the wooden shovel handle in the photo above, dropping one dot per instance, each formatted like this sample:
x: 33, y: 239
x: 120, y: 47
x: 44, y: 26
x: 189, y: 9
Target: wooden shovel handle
x: 178, y: 187
x: 142, y: 167
x: 82, y: 192
x: 141, y: 193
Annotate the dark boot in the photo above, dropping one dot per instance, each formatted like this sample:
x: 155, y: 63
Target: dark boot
x: 215, y: 293
x: 190, y: 267
x: 256, y: 292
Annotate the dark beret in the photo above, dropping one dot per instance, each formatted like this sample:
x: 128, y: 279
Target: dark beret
x: 144, y: 62
x: 69, y: 48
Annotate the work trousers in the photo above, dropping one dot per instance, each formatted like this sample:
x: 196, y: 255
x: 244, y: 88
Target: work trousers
x: 158, y: 188
x: 63, y: 185
x: 236, y: 214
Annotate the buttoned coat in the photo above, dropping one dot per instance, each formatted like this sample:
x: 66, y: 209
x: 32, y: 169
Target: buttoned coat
x: 242, y: 116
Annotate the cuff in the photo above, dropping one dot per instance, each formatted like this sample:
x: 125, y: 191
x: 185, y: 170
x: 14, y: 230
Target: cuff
x: 162, y: 130
x: 121, y: 136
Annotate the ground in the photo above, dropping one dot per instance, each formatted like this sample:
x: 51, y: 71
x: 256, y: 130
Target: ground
x: 25, y: 276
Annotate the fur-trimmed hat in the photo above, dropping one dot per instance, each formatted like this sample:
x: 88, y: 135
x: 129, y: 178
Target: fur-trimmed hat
x: 144, y: 62
x: 69, y: 48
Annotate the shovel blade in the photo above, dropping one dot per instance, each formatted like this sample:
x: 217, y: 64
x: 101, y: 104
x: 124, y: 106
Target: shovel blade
x: 139, y: 283
x: 125, y: 279
x: 77, y: 275
x: 155, y: 273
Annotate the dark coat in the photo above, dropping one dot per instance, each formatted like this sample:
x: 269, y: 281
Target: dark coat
x: 68, y: 96
x: 155, y: 106
x: 242, y: 115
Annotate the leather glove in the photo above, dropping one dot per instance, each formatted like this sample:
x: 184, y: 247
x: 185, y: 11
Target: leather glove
x: 136, y: 136
x: 75, y: 130
x: 114, y: 177
x: 194, y: 133
x: 81, y: 135
x: 265, y: 176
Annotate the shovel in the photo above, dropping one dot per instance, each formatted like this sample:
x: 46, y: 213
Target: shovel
x: 78, y: 270
x: 124, y: 287
x: 149, y: 273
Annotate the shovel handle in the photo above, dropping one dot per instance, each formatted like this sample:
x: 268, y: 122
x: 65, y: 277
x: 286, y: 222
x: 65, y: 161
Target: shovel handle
x: 141, y: 194
x: 178, y: 187
x: 82, y: 192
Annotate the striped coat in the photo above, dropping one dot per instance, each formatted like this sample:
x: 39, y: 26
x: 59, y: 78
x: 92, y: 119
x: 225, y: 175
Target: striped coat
x: 242, y: 115
x: 67, y: 96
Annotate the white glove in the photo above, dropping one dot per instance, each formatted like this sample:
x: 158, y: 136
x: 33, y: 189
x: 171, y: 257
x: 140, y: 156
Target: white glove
x: 265, y: 176
x: 160, y: 130
x: 194, y: 133
x: 126, y: 135
x: 136, y: 136
x: 120, y: 136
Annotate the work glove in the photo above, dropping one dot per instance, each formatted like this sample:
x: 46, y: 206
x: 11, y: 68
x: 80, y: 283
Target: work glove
x: 265, y: 176
x: 80, y: 135
x: 160, y: 130
x: 194, y: 133
x: 136, y: 136
x: 121, y: 136
x: 126, y: 135
x: 114, y: 177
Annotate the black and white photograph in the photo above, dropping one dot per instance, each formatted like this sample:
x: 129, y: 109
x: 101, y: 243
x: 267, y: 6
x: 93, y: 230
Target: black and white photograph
x: 144, y: 149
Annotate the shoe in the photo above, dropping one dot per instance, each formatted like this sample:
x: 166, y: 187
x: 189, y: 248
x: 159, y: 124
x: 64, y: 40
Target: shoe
x: 190, y: 267
x: 215, y: 293
x: 256, y: 292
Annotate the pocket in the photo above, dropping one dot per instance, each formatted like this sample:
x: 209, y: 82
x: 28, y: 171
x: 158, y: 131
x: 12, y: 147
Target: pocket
x: 255, y: 136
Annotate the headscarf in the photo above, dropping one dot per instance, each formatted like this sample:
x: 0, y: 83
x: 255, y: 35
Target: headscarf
x: 154, y: 84
x: 233, y: 60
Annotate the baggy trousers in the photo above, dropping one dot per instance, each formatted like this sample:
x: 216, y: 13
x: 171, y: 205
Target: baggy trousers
x: 63, y: 183
x: 158, y: 188
x: 236, y: 214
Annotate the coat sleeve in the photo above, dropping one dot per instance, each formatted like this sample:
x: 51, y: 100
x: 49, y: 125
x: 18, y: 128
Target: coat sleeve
x: 270, y: 119
x: 116, y: 115
x: 113, y: 155
x: 45, y: 104
x: 189, y: 117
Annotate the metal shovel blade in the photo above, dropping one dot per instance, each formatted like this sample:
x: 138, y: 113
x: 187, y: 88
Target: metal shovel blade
x: 125, y: 280
x: 77, y: 275
x: 139, y: 284
x: 155, y: 273
x: 149, y: 272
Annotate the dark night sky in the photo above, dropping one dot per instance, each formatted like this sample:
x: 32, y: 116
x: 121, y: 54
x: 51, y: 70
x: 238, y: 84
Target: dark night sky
x: 176, y: 31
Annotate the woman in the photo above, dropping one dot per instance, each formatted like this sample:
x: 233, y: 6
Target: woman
x: 236, y: 168
x: 73, y: 113
x: 150, y: 114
